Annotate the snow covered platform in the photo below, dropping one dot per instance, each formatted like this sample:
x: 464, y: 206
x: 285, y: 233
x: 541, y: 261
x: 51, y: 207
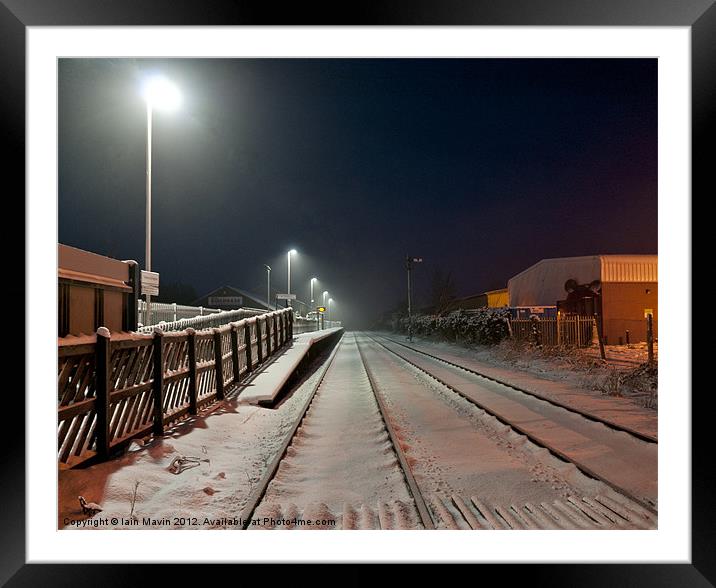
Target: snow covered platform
x: 265, y: 388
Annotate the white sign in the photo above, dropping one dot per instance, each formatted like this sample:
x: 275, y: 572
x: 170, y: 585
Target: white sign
x: 233, y: 301
x: 150, y: 283
x: 285, y: 296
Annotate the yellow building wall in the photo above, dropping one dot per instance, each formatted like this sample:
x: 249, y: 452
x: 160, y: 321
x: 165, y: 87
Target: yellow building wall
x: 497, y: 298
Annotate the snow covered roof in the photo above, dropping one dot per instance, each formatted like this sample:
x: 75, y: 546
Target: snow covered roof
x: 543, y: 283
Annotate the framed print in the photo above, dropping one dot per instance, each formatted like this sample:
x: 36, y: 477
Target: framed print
x: 393, y: 270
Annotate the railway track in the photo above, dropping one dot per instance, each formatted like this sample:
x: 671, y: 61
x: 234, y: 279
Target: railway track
x: 622, y: 459
x: 381, y: 490
x: 380, y: 493
x: 592, y: 417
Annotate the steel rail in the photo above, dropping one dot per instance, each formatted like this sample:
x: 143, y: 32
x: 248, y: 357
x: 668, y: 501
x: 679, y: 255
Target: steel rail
x: 423, y: 511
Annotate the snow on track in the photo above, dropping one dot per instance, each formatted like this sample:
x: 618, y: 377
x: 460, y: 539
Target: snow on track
x: 457, y: 450
x: 558, y: 385
x: 341, y: 465
x: 626, y: 462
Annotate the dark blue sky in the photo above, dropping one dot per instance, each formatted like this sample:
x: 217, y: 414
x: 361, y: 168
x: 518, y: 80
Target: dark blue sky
x: 481, y: 166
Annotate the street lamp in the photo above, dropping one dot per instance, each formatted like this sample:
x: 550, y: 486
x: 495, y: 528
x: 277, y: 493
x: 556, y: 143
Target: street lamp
x: 329, y: 309
x: 325, y: 295
x: 268, y: 286
x: 159, y: 93
x: 409, y: 261
x: 313, y: 280
x: 288, y: 291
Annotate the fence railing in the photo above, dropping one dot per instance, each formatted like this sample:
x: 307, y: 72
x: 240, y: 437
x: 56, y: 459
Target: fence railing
x: 170, y: 312
x: 215, y: 319
x: 561, y: 330
x: 113, y: 388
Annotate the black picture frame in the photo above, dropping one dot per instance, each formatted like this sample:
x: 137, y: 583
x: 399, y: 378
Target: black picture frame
x: 700, y: 15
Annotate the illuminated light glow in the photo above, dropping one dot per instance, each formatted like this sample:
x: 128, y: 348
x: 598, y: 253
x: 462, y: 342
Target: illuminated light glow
x: 162, y: 94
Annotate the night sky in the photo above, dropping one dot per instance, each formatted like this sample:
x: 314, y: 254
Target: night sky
x: 481, y: 166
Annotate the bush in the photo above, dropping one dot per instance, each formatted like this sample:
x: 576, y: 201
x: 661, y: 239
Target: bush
x: 486, y: 326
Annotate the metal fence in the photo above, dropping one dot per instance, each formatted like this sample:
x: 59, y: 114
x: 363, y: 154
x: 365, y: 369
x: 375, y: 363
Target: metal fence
x: 113, y: 388
x: 562, y: 330
x: 170, y: 312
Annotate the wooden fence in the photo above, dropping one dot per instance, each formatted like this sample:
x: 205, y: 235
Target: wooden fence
x: 113, y: 388
x: 561, y: 330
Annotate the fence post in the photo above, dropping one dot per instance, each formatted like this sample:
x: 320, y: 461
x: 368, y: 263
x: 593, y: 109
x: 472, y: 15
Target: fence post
x: 193, y: 409
x: 218, y: 365
x: 275, y: 332
x: 235, y: 353
x: 174, y: 311
x: 259, y: 350
x: 559, y: 329
x: 131, y: 319
x: 102, y: 358
x: 268, y: 337
x: 290, y: 326
x: 247, y: 341
x: 650, y: 338
x: 600, y: 336
x: 158, y: 382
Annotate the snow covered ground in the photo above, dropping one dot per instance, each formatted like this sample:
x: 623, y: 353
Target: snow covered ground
x: 234, y: 442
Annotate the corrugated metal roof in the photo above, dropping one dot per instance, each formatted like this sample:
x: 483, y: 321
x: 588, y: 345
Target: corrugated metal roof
x: 629, y: 268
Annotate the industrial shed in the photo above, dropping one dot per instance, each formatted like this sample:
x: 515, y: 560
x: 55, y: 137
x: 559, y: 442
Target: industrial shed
x: 623, y: 289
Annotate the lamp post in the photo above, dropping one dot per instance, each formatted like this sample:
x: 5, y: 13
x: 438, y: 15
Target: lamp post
x: 313, y: 280
x: 268, y: 286
x: 288, y: 290
x: 159, y: 93
x: 409, y: 261
x: 329, y: 310
x: 325, y: 296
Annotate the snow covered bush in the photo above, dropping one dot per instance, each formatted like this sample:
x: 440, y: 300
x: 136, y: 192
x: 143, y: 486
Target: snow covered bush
x: 486, y: 326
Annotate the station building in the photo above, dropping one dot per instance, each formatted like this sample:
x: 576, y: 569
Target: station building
x: 232, y: 298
